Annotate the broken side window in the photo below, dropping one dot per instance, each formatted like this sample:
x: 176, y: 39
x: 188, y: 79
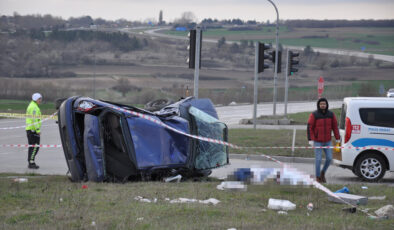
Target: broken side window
x: 209, y: 155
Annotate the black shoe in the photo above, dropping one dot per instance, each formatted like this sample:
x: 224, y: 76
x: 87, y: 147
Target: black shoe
x: 33, y: 166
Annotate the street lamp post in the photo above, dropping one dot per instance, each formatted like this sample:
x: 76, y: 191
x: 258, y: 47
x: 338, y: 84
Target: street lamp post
x: 276, y: 56
x: 94, y: 67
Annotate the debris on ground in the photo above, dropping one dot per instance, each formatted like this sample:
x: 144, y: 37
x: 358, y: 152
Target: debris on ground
x: 282, y: 212
x: 349, y: 198
x: 351, y: 210
x: 21, y: 180
x: 376, y: 197
x: 343, y: 190
x: 232, y: 185
x: 309, y: 207
x: 385, y: 211
x: 178, y: 200
x: 187, y: 200
x: 145, y: 200
x: 364, y: 187
x: 176, y: 178
x: 276, y: 204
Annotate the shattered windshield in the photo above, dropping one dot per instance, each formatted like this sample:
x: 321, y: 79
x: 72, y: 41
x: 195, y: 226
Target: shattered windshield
x: 209, y: 155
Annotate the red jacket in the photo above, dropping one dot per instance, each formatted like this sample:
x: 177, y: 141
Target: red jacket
x: 320, y: 126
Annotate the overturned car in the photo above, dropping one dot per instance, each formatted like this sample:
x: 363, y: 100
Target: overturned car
x: 105, y: 141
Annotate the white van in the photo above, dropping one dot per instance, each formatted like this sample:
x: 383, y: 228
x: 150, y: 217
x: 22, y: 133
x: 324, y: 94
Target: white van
x: 366, y: 127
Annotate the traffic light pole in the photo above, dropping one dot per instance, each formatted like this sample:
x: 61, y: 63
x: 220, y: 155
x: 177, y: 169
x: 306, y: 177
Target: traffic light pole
x: 197, y: 61
x: 286, y: 82
x: 256, y: 75
x: 276, y: 56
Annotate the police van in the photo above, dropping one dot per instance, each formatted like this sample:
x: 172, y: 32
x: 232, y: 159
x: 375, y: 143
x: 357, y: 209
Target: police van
x: 366, y: 127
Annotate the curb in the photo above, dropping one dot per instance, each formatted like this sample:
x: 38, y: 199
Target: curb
x: 279, y: 158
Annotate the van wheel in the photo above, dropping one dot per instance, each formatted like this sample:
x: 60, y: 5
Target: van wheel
x: 370, y: 167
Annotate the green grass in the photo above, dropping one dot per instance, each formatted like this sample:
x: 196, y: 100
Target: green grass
x: 36, y: 204
x: 350, y: 41
x: 20, y: 106
x: 269, y: 138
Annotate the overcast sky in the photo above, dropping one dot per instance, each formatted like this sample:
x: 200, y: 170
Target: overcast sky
x: 260, y: 10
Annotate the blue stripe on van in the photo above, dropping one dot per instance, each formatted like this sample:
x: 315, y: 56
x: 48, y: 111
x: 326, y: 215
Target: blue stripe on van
x: 372, y: 141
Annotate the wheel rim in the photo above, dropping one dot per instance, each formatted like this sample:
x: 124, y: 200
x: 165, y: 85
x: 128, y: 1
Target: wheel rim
x: 370, y: 168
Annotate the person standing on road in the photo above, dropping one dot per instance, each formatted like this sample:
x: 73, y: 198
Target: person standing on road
x: 320, y: 124
x: 33, y: 128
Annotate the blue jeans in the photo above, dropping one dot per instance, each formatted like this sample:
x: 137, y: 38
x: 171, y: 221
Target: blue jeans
x: 318, y: 156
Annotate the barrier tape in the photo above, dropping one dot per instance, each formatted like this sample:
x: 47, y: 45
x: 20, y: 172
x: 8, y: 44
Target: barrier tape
x: 308, y: 177
x: 314, y: 182
x: 21, y: 115
x: 27, y: 146
x: 23, y: 126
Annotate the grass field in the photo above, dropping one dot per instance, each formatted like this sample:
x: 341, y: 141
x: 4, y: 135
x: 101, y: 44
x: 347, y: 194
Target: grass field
x: 20, y: 106
x: 269, y: 138
x: 53, y: 202
x: 371, y: 40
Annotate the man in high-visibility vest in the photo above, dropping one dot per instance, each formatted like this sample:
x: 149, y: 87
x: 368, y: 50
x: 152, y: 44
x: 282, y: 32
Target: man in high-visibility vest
x: 33, y: 128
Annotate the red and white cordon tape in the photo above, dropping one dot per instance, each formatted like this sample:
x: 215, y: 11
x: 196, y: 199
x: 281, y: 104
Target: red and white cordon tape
x: 27, y: 146
x: 319, y: 147
x: 24, y: 126
x: 314, y: 182
x: 147, y: 117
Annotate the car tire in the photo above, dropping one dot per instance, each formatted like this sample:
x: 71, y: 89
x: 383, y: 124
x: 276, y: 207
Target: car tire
x: 158, y: 104
x: 59, y: 102
x: 370, y: 167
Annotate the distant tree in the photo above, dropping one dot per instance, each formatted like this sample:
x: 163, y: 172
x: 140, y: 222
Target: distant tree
x: 221, y: 42
x: 186, y: 18
x: 122, y: 86
x: 234, y: 48
x: 308, y: 50
x: 244, y: 44
x: 161, y: 17
x: 370, y: 59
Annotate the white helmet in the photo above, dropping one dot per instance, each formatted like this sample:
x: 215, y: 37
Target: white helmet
x: 36, y: 96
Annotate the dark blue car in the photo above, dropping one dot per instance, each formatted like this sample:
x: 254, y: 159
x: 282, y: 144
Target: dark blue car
x: 105, y: 141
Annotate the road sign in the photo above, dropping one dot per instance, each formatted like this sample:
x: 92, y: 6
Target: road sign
x: 320, y: 86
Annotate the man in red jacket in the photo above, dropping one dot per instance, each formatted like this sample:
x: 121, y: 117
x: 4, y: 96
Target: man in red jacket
x: 320, y: 124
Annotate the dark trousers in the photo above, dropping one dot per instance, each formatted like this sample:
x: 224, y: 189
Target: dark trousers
x: 33, y: 139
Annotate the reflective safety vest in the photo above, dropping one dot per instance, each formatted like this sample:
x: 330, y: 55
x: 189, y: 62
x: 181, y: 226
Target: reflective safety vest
x: 33, y: 119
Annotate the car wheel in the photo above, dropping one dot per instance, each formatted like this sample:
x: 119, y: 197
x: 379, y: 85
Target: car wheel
x: 156, y: 105
x: 370, y: 167
x: 59, y: 102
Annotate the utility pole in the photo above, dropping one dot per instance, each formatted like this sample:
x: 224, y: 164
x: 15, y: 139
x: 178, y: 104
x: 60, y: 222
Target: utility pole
x: 256, y: 75
x: 197, y: 61
x: 94, y: 67
x: 286, y: 82
x: 276, y: 56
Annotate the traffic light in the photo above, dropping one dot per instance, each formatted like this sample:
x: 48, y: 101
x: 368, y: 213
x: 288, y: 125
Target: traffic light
x: 262, y: 55
x: 291, y: 63
x: 192, y: 48
x: 279, y: 60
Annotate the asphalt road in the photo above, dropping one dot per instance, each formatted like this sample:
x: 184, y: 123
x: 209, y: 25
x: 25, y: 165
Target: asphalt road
x: 231, y: 115
x: 52, y: 161
x: 388, y: 58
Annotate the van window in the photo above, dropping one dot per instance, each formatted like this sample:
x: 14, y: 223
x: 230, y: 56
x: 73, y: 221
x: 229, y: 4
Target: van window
x: 378, y: 116
x: 343, y: 117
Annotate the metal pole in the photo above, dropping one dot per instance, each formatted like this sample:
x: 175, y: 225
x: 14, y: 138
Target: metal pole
x: 286, y: 82
x: 293, y: 144
x: 197, y: 61
x: 256, y: 74
x: 94, y: 69
x: 276, y: 55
